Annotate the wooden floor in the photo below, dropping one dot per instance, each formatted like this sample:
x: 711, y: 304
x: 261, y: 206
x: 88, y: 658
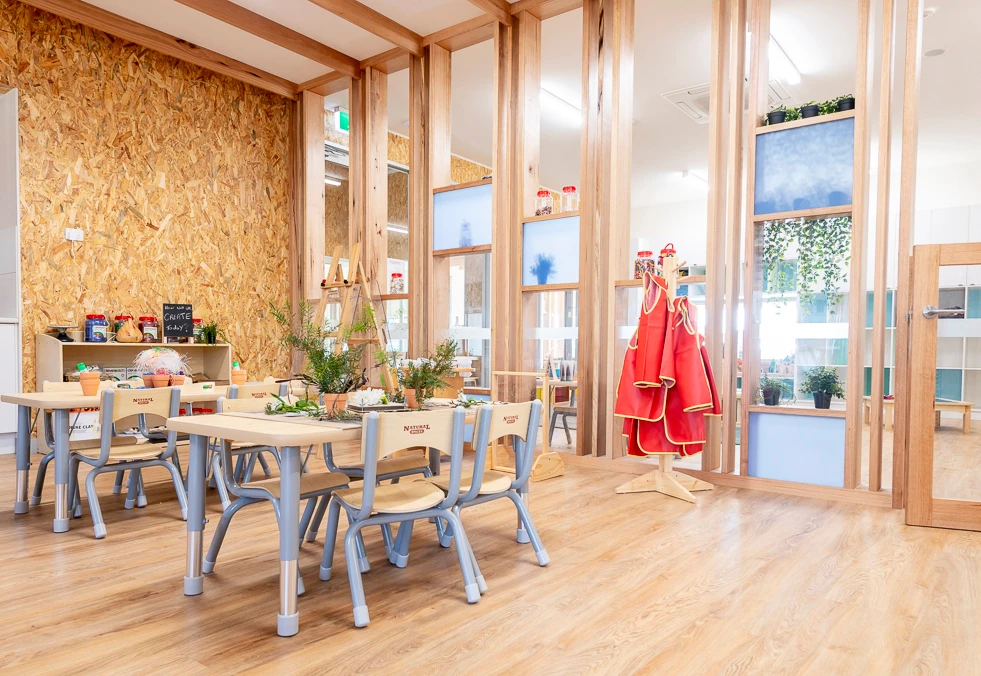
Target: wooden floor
x: 743, y: 583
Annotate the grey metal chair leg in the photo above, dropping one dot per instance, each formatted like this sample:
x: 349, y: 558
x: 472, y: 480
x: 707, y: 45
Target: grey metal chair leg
x: 565, y: 426
x: 400, y: 552
x: 250, y: 468
x: 307, y: 516
x: 351, y: 554
x: 445, y: 533
x: 42, y: 469
x: 525, y: 515
x: 176, y: 459
x: 318, y: 518
x: 463, y: 554
x: 74, y: 490
x: 264, y: 465
x: 133, y: 487
x: 551, y: 426
x: 481, y: 582
x: 330, y: 538
x: 117, y: 487
x: 178, y: 486
x: 97, y: 523
x: 300, y: 587
x: 362, y: 552
x: 386, y: 529
x: 219, y: 536
x: 141, y: 490
x: 226, y: 499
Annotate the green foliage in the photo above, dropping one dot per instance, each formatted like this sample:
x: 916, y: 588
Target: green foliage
x: 824, y: 108
x: 823, y: 379
x: 770, y: 386
x: 823, y: 251
x: 305, y: 406
x: 428, y: 374
x: 211, y: 332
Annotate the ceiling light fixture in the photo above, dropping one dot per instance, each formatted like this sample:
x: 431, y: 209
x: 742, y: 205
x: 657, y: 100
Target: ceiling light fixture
x: 331, y: 181
x: 935, y: 52
x: 929, y: 11
x: 559, y: 110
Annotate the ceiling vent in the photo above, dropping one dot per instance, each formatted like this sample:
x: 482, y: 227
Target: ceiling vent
x: 694, y: 101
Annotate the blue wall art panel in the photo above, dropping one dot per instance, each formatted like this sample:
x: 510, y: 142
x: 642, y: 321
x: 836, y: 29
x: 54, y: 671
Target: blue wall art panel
x: 805, y: 167
x: 462, y: 218
x: 806, y: 449
x: 550, y: 252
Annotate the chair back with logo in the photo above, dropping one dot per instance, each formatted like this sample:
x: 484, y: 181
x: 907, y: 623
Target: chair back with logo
x: 117, y: 404
x: 517, y: 421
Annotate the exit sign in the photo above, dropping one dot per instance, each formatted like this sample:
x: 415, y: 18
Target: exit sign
x: 342, y: 121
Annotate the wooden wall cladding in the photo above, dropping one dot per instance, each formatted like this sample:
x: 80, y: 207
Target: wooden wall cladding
x: 179, y: 178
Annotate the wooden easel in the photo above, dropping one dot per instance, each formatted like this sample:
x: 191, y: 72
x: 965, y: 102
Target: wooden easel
x: 664, y: 479
x: 358, y: 286
x: 548, y: 464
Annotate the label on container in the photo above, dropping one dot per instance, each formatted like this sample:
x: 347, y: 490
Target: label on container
x: 98, y: 333
x: 150, y: 331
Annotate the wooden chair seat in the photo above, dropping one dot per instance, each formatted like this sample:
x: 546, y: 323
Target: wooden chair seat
x: 399, y: 464
x: 83, y: 444
x: 397, y: 498
x: 315, y: 482
x: 493, y: 482
x: 125, y: 453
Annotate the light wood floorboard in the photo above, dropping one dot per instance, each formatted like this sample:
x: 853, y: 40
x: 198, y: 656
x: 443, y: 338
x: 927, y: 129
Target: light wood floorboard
x: 744, y: 582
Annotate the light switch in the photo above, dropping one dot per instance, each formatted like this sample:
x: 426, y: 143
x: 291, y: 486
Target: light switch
x: 74, y: 234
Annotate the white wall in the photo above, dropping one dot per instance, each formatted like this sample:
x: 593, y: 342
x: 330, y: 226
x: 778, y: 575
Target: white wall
x: 10, y: 296
x: 682, y: 223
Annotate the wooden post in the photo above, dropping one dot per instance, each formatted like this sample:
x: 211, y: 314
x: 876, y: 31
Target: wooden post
x: 879, y: 318
x: 369, y: 175
x: 716, y: 250
x: 420, y: 209
x: 314, y: 225
x: 604, y: 211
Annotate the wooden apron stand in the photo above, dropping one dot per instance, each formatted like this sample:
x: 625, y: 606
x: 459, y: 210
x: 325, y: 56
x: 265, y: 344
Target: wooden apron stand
x: 664, y: 479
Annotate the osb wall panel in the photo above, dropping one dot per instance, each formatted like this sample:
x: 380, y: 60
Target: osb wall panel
x: 177, y: 176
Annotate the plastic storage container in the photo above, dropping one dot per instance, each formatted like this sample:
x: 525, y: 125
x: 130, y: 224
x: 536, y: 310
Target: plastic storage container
x: 570, y: 199
x: 198, y: 330
x: 543, y: 203
x: 644, y: 263
x: 397, y: 285
x: 96, y: 329
x: 119, y: 320
x: 150, y: 328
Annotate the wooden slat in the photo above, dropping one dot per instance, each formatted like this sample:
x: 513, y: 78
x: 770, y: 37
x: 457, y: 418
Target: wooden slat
x: 545, y: 9
x: 464, y: 34
x: 752, y: 284
x: 922, y: 384
x: 463, y: 250
x: 907, y: 213
x: 390, y: 61
x: 420, y: 204
x: 967, y: 253
x: 550, y: 217
x: 503, y: 348
x: 121, y: 27
x: 805, y: 122
x: 374, y: 22
x: 297, y: 268
x: 798, y: 410
x: 543, y: 288
x: 816, y: 212
x: 880, y: 280
x: 276, y: 33
x: 461, y: 186
x: 691, y: 279
x: 499, y: 9
x: 855, y: 375
x: 715, y: 255
x: 314, y: 227
x: 327, y: 84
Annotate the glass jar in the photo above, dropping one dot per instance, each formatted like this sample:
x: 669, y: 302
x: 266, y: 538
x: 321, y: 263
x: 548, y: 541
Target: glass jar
x: 570, y: 199
x: 150, y: 328
x: 118, y: 321
x: 543, y: 203
x: 643, y: 263
x: 397, y: 284
x: 96, y: 328
x: 198, y: 330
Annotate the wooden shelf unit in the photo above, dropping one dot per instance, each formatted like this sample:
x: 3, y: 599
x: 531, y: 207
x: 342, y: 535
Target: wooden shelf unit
x: 682, y: 281
x: 55, y: 358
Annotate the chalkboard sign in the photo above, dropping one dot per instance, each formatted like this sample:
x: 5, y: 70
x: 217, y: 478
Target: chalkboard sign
x: 178, y: 320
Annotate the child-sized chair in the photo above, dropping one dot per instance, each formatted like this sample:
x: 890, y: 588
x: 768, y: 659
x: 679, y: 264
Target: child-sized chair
x: 371, y: 504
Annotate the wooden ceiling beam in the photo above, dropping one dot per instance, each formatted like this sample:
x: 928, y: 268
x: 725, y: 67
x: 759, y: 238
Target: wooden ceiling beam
x: 374, y: 22
x: 545, y: 9
x: 276, y: 33
x: 121, y: 27
x: 499, y: 9
x: 464, y: 34
x: 328, y: 84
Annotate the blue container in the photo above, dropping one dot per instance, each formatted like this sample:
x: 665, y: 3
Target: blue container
x: 96, y: 329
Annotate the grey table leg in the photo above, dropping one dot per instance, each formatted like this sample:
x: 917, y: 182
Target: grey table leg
x: 23, y: 458
x: 288, y: 621
x: 434, y: 461
x: 193, y: 579
x: 62, y: 460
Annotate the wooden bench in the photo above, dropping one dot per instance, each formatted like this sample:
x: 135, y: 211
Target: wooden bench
x: 889, y: 405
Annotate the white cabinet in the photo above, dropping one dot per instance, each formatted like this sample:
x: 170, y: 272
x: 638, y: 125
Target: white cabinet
x: 10, y: 297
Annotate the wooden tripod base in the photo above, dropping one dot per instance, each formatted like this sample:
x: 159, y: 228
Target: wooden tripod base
x: 547, y: 466
x: 665, y: 480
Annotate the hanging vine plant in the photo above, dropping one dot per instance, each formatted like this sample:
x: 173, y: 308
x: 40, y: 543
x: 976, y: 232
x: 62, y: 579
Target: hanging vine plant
x: 823, y: 251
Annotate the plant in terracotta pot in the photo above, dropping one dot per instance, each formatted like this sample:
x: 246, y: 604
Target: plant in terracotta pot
x: 424, y: 376
x: 162, y: 366
x: 823, y: 382
x: 771, y: 389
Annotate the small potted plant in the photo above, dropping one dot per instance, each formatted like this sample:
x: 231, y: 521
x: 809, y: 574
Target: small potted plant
x: 423, y: 376
x: 823, y: 383
x: 810, y: 109
x: 845, y: 102
x: 162, y: 367
x: 777, y: 115
x: 771, y: 389
x: 211, y: 332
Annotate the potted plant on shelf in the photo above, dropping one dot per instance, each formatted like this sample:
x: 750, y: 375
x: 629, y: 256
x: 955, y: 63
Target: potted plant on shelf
x: 161, y: 367
x: 844, y: 102
x: 810, y: 109
x: 423, y: 376
x: 771, y: 389
x: 777, y: 115
x: 211, y: 332
x: 823, y: 383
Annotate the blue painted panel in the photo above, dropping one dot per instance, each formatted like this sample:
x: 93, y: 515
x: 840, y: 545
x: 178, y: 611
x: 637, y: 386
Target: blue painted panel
x: 462, y: 217
x: 949, y: 384
x: 973, y: 304
x: 803, y: 448
x: 550, y: 252
x: 805, y: 167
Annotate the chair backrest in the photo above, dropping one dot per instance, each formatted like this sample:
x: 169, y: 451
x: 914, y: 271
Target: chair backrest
x: 517, y: 421
x: 264, y: 390
x: 74, y: 387
x: 226, y: 405
x: 118, y: 404
x: 388, y: 433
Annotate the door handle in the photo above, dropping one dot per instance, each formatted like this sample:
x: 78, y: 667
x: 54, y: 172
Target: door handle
x: 932, y: 312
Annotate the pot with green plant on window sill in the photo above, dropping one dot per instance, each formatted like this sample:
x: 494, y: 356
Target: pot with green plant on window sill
x: 771, y: 389
x: 823, y: 382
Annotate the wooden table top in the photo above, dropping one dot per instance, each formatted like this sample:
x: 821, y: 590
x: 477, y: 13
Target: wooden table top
x: 271, y: 432
x: 52, y: 400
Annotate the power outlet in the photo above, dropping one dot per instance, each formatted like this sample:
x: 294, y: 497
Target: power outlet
x: 74, y: 234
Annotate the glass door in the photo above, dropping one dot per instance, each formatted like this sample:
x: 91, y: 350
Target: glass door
x: 944, y: 478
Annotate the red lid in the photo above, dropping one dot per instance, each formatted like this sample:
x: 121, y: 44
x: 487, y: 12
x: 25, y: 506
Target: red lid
x: 197, y: 321
x: 396, y: 274
x: 91, y: 316
x: 569, y: 188
x: 668, y: 249
x: 644, y: 254
x: 124, y: 316
x: 544, y: 193
x: 148, y: 319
